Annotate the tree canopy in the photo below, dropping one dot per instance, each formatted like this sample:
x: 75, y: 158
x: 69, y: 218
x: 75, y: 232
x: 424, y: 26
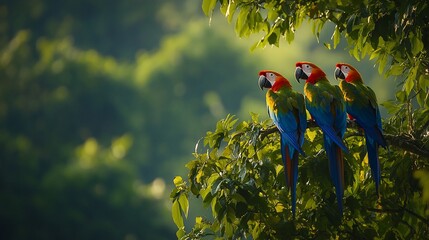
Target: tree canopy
x: 238, y: 173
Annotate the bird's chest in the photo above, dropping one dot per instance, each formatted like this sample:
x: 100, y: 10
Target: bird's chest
x: 309, y: 93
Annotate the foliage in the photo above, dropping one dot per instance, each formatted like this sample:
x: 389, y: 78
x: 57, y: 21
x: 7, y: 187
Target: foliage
x: 394, y: 33
x: 241, y: 179
x: 240, y: 176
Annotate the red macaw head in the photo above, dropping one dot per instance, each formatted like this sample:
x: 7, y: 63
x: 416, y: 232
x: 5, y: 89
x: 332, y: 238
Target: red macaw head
x: 271, y: 79
x: 346, y: 72
x: 309, y: 72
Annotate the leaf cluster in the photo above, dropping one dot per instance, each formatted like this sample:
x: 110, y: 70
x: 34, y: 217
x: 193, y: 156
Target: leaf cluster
x: 240, y: 178
x: 393, y: 33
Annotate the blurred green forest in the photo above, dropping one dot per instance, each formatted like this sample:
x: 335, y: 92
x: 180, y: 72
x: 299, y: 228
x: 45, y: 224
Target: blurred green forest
x: 102, y: 102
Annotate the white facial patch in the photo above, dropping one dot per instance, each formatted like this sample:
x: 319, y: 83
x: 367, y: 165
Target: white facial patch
x: 271, y: 77
x: 345, y: 69
x: 307, y: 69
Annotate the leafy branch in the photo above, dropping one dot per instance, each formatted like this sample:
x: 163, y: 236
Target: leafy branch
x: 240, y: 178
x: 402, y: 141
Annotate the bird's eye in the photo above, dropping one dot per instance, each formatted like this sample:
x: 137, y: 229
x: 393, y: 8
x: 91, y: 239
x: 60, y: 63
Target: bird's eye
x: 271, y: 74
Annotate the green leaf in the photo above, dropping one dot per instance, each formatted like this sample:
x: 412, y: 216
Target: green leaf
x: 327, y: 45
x: 311, y: 134
x: 382, y: 60
x: 290, y: 36
x: 391, y: 106
x: 423, y: 81
x: 177, y: 215
x: 273, y: 38
x: 177, y: 180
x: 401, y: 96
x: 184, y: 204
x: 421, y: 98
x: 180, y: 233
x: 336, y: 36
x: 272, y: 14
x: 229, y: 230
x: 208, y: 7
x: 395, y: 70
x: 216, y: 185
x: 416, y: 43
x: 409, y: 83
x: 232, y: 6
x: 310, y: 204
x: 374, y: 54
x: 355, y: 53
x: 256, y: 231
x: 351, y: 22
x: 241, y: 24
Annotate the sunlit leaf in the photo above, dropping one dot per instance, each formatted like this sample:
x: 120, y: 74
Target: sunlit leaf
x: 401, y: 96
x: 180, y: 233
x: 327, y: 45
x: 241, y: 24
x: 311, y: 134
x: 395, y: 70
x: 336, y: 36
x: 208, y: 6
x: 290, y: 36
x: 184, y: 204
x: 416, y: 43
x: 177, y: 215
x: 409, y: 82
x: 382, y: 60
x: 177, y: 180
x: 279, y: 207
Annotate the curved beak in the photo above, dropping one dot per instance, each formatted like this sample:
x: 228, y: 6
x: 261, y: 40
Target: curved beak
x: 339, y: 74
x: 263, y: 82
x: 299, y: 74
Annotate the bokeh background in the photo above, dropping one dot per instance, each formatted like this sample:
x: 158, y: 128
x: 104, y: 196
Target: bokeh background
x: 102, y: 103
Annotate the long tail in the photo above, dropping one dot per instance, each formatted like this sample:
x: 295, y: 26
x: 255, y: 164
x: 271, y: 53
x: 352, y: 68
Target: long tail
x: 291, y: 171
x: 376, y: 134
x: 330, y: 131
x: 374, y: 163
x: 336, y: 169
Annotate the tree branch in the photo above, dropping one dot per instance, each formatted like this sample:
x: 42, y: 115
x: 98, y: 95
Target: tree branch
x: 402, y: 141
x: 400, y: 210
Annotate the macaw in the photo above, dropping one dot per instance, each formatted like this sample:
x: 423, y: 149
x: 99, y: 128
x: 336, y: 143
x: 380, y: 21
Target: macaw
x: 327, y: 108
x: 287, y: 110
x: 361, y: 105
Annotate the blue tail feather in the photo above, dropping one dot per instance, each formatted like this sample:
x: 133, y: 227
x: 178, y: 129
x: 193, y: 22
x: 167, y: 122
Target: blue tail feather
x: 374, y: 163
x: 329, y: 131
x: 294, y: 179
x: 290, y: 160
x: 291, y: 138
x: 376, y: 134
x: 336, y: 169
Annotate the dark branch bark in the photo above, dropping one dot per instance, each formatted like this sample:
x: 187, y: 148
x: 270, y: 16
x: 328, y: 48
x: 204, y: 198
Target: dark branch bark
x: 402, y: 141
x: 400, y: 210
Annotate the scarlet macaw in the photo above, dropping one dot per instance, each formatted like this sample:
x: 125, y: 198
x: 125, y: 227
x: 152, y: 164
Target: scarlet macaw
x: 326, y: 106
x: 361, y: 105
x: 287, y: 110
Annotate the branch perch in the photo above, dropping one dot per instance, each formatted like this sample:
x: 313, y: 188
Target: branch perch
x: 402, y: 141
